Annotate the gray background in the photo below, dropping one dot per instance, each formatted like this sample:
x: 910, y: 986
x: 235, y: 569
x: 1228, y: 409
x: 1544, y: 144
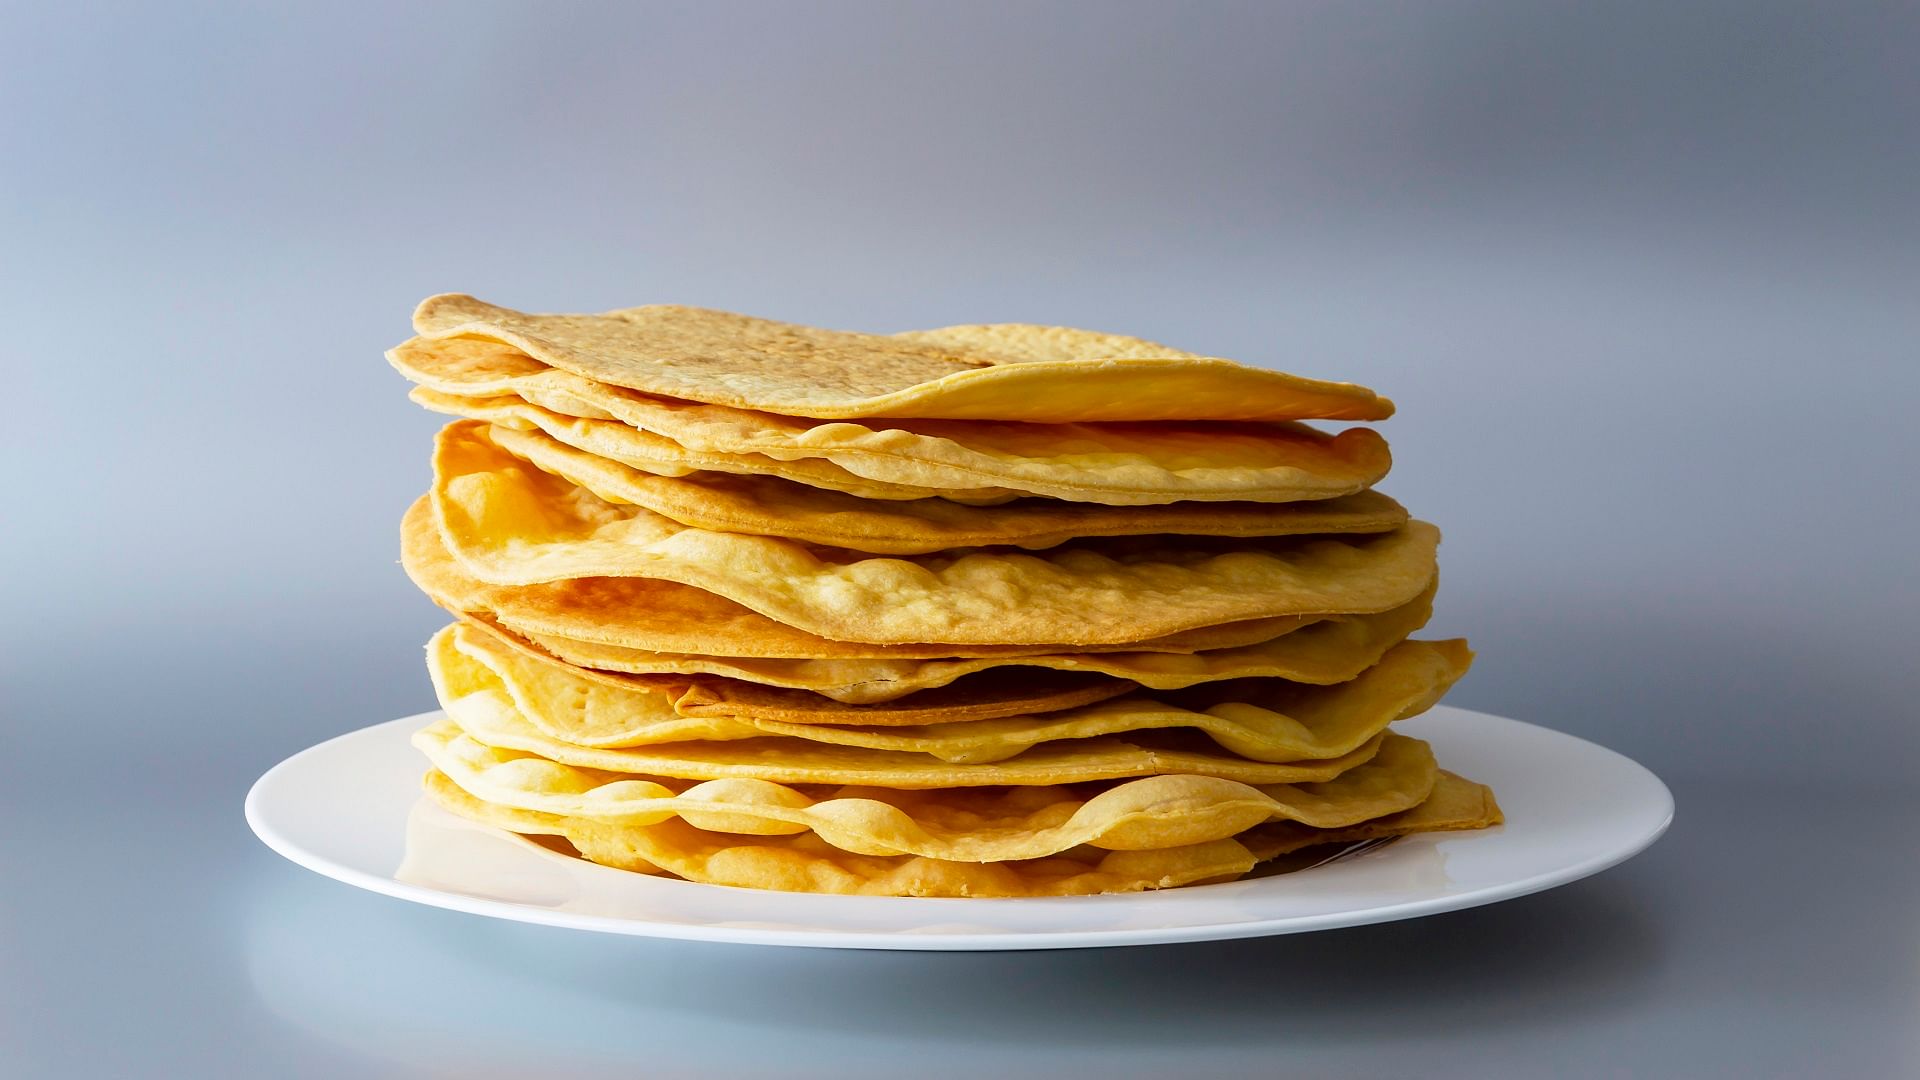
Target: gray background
x: 1643, y: 278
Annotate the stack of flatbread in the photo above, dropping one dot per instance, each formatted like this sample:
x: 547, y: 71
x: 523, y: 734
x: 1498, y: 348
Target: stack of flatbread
x: 998, y: 610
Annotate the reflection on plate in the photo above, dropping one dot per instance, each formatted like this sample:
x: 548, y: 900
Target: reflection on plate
x: 350, y: 808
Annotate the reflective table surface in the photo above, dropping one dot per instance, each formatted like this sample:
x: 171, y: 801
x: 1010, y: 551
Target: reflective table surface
x: 1771, y: 933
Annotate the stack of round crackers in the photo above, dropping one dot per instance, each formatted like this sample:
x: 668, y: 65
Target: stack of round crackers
x: 998, y: 610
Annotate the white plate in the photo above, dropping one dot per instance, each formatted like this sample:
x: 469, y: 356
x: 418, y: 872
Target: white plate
x: 351, y: 808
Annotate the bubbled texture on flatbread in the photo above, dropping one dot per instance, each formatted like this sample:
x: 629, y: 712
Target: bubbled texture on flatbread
x: 1321, y: 651
x: 510, y: 524
x: 656, y: 616
x: 491, y: 721
x: 978, y: 824
x: 1455, y: 804
x: 804, y: 863
x: 1004, y: 372
x: 764, y: 505
x: 1116, y: 464
x: 1012, y: 692
x: 647, y: 452
x: 1258, y: 719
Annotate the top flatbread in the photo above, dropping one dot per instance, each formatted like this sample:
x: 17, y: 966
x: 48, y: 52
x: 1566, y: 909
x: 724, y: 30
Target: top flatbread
x: 971, y: 460
x: 994, y: 372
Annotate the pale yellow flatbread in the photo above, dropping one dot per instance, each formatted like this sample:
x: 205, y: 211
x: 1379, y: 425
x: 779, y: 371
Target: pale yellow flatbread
x: 1259, y: 719
x: 665, y: 617
x: 1003, y: 372
x: 650, y: 453
x: 1325, y: 651
x: 1012, y: 692
x: 1456, y: 804
x: 804, y: 863
x: 1119, y: 465
x: 492, y: 721
x: 973, y: 824
x: 763, y: 505
x: 508, y: 524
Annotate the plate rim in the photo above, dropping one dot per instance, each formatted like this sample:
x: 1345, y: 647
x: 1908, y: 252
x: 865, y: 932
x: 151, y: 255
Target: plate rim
x: 263, y: 828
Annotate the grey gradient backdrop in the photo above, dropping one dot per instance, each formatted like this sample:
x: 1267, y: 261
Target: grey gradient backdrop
x: 1644, y: 279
